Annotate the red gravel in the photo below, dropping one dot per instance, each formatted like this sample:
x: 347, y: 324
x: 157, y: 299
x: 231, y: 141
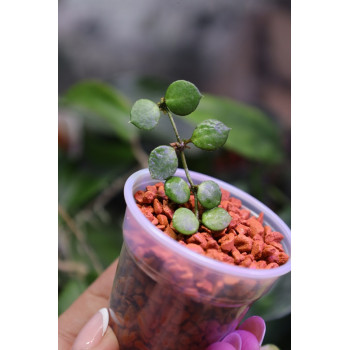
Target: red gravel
x: 246, y: 242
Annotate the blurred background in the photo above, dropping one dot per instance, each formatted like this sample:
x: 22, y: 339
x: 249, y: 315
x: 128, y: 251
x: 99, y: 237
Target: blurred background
x: 112, y: 53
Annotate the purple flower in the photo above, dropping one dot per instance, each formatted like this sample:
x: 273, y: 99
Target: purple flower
x: 248, y: 336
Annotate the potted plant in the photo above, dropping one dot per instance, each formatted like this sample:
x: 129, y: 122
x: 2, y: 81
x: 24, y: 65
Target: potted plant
x: 196, y: 251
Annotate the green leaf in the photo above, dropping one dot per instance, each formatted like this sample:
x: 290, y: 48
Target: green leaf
x: 209, y: 194
x: 254, y: 135
x: 104, y: 101
x: 185, y: 221
x: 216, y: 219
x: 105, y: 236
x: 80, y: 180
x: 177, y: 189
x: 182, y: 97
x: 276, y: 303
x: 145, y: 114
x: 70, y: 293
x: 162, y: 162
x: 210, y: 135
x: 76, y: 186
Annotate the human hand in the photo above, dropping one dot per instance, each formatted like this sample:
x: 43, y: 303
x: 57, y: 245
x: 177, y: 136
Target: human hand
x: 82, y: 326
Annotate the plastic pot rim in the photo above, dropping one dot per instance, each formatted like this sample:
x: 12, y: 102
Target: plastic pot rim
x: 198, y: 259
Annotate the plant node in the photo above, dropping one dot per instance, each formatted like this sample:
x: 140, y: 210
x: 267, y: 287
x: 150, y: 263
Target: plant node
x: 182, y: 98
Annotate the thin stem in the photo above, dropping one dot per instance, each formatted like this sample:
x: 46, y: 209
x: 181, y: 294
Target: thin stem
x: 81, y: 238
x: 184, y: 164
x: 174, y: 126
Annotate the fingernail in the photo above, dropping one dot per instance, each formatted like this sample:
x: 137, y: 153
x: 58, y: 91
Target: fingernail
x: 93, y: 331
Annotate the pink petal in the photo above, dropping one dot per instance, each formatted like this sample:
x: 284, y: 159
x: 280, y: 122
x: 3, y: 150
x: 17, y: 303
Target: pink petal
x: 233, y: 339
x: 249, y: 341
x: 255, y: 325
x: 221, y: 346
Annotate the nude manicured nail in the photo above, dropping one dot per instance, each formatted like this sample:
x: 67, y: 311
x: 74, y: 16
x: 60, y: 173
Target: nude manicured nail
x: 93, y: 331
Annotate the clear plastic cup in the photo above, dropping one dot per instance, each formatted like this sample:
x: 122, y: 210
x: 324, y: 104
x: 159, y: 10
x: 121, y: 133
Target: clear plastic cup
x: 166, y: 296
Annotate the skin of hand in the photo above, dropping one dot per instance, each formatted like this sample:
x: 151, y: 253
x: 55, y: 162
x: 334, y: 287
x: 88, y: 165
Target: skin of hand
x: 83, y: 326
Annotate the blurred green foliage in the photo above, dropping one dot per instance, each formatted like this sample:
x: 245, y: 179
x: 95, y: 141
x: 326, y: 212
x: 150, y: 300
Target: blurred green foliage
x: 99, y: 149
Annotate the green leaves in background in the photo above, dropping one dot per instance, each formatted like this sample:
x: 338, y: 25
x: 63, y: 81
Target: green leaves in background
x: 71, y: 291
x: 80, y: 180
x: 162, y: 162
x: 104, y: 101
x: 253, y: 134
x: 276, y: 303
x: 76, y: 186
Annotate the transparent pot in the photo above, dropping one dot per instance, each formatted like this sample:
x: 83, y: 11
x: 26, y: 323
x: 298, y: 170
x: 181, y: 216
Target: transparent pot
x: 166, y: 296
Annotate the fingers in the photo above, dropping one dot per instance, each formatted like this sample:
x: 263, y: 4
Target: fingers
x: 96, y: 334
x: 79, y: 313
x: 109, y: 341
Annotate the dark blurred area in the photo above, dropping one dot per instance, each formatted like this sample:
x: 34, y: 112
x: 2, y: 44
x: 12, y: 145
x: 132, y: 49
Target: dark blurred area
x: 114, y: 52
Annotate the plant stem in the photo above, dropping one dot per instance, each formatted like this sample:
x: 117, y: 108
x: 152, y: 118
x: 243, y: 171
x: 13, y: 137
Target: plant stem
x: 184, y: 164
x: 174, y: 127
x: 81, y: 239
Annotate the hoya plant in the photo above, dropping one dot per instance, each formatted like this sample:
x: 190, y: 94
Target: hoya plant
x: 182, y: 98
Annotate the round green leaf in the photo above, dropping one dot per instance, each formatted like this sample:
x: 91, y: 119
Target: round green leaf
x: 210, y: 135
x: 145, y: 114
x: 185, y: 222
x: 162, y: 162
x: 209, y: 194
x: 182, y: 97
x: 177, y: 189
x: 216, y: 219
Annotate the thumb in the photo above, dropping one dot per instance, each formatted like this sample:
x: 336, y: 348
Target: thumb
x: 96, y: 334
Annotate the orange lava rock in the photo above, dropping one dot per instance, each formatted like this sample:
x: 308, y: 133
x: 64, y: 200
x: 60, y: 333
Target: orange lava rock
x: 139, y: 196
x: 225, y: 195
x: 271, y: 265
x: 243, y: 243
x: 163, y: 220
x: 235, y: 201
x: 242, y: 229
x: 196, y: 248
x: 273, y: 237
x: 171, y: 233
x: 149, y: 197
x: 227, y: 242
x: 198, y: 238
x: 152, y: 189
x: 158, y: 208
x: 245, y: 214
x: 261, y: 264
x: 257, y: 249
x: 268, y: 250
x: 246, y: 262
x: 256, y: 228
x: 168, y: 212
x: 212, y: 244
x: 237, y: 256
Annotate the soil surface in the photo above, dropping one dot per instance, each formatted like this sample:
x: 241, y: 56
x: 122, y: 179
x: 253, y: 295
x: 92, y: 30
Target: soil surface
x: 246, y: 242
